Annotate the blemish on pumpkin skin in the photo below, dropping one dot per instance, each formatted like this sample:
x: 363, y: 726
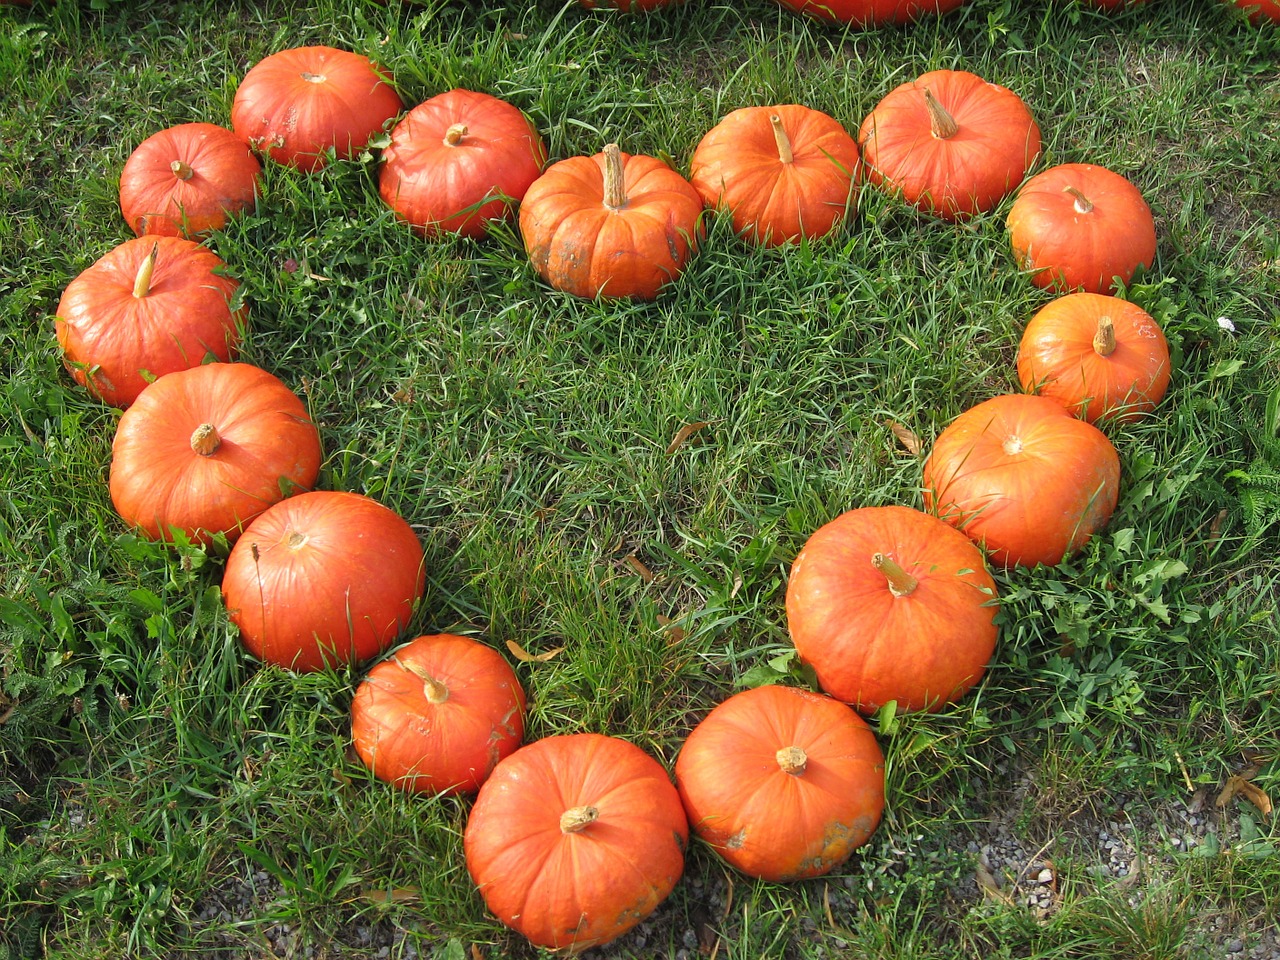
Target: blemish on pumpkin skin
x: 737, y: 840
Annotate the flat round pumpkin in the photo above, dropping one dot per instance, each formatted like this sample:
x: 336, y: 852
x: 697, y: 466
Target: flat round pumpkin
x: 782, y: 172
x: 1021, y: 476
x: 782, y: 783
x: 206, y: 450
x: 871, y: 13
x: 890, y: 603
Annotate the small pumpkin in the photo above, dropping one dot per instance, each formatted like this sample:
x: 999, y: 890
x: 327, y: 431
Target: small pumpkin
x: 458, y: 161
x: 1023, y: 477
x: 206, y: 450
x: 871, y: 13
x: 149, y: 307
x: 950, y: 143
x: 297, y: 104
x: 1104, y: 358
x: 325, y: 578
x: 1080, y: 226
x: 782, y: 172
x: 438, y: 715
x: 613, y: 225
x: 185, y: 181
x: 1260, y: 11
x: 782, y: 783
x: 890, y: 603
x: 575, y: 839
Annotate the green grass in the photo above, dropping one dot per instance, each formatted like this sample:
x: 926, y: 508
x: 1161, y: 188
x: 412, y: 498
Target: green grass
x: 148, y: 765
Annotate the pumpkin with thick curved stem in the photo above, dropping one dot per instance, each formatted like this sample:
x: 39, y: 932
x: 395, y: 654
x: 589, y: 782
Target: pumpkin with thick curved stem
x: 871, y: 13
x: 438, y: 715
x: 1021, y: 476
x: 782, y: 172
x: 1103, y: 357
x: 949, y: 143
x: 1080, y: 226
x: 573, y: 840
x: 782, y: 783
x: 458, y: 161
x: 187, y: 180
x: 298, y: 104
x: 612, y: 225
x: 890, y: 603
x: 206, y: 450
x: 323, y: 579
x: 149, y: 307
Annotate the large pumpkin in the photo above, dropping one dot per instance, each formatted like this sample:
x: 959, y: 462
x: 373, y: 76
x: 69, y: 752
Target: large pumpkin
x: 1024, y: 478
x: 206, y: 450
x: 782, y: 783
x: 298, y: 104
x: 438, y: 715
x: 1101, y: 356
x: 871, y: 13
x: 185, y: 181
x: 1079, y: 226
x: 950, y: 143
x: 149, y: 307
x: 573, y: 840
x: 612, y: 225
x: 323, y: 579
x: 781, y: 172
x: 889, y: 603
x: 458, y: 161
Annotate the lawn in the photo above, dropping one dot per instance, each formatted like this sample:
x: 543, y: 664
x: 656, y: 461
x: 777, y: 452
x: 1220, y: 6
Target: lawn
x: 622, y: 486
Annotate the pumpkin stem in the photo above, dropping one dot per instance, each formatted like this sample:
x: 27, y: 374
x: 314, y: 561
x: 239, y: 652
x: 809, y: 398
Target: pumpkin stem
x: 792, y: 760
x: 571, y: 821
x: 942, y: 124
x: 205, y: 439
x: 615, y: 187
x: 1012, y: 446
x: 314, y: 77
x: 901, y: 583
x: 296, y: 539
x: 434, y: 690
x: 181, y: 170
x: 1082, y: 202
x: 780, y: 137
x: 453, y: 136
x: 1104, y: 341
x: 142, y: 282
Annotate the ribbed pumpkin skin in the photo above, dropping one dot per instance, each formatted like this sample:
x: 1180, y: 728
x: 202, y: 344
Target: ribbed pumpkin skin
x: 423, y: 740
x: 868, y: 646
x: 572, y: 891
x: 737, y: 167
x: 323, y: 578
x: 296, y: 104
x: 871, y: 13
x: 1066, y: 244
x: 1024, y: 477
x: 957, y: 176
x: 1058, y: 357
x: 111, y: 339
x: 218, y: 178
x: 267, y: 448
x: 582, y: 246
x: 767, y: 822
x: 443, y: 183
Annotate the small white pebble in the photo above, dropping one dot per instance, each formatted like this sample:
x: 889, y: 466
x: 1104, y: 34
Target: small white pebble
x: 1045, y: 876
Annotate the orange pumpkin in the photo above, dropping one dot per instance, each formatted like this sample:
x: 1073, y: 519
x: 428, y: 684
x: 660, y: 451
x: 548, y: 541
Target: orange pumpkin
x: 1080, y: 226
x: 781, y: 172
x: 1260, y: 11
x: 950, y: 143
x: 782, y: 783
x: 612, y: 225
x: 889, y: 603
x: 187, y: 180
x: 573, y: 840
x: 149, y: 307
x: 871, y: 13
x: 1100, y: 356
x: 458, y: 161
x: 206, y: 450
x: 438, y: 715
x: 298, y: 104
x: 1024, y: 478
x: 323, y: 579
